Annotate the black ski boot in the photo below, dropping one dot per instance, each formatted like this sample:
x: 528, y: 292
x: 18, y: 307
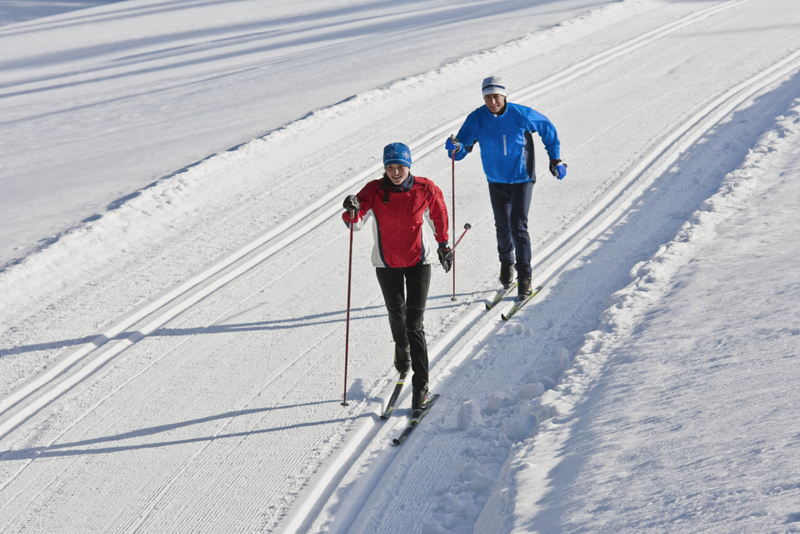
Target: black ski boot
x: 506, y: 274
x: 524, y: 289
x: 402, y: 358
x: 419, y: 398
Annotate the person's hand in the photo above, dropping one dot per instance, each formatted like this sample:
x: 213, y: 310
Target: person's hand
x: 351, y: 203
x: 558, y: 168
x: 445, y: 257
x: 452, y: 144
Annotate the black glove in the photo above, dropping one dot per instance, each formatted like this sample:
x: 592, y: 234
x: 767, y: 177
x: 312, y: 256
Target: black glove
x: 558, y: 168
x: 445, y: 257
x: 351, y: 203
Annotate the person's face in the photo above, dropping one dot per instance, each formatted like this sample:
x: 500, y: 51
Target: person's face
x: 494, y: 102
x: 397, y: 173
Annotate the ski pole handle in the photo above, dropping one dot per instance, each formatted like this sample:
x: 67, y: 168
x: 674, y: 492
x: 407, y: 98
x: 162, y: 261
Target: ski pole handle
x: 450, y: 254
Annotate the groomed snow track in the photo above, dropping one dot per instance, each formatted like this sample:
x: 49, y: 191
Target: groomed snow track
x: 29, y: 399
x: 334, y: 495
x: 473, y: 331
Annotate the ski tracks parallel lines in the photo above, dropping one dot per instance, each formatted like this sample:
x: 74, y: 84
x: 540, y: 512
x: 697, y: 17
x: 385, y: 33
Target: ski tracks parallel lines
x: 575, y: 241
x: 605, y: 215
x: 93, y: 355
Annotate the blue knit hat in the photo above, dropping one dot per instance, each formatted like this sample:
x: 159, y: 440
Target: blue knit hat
x: 396, y: 153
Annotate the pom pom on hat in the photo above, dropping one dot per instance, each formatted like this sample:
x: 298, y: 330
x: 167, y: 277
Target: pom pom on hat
x: 493, y: 85
x: 396, y: 153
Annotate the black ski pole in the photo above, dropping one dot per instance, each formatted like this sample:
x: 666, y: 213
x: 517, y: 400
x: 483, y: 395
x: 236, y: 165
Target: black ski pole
x: 347, y: 320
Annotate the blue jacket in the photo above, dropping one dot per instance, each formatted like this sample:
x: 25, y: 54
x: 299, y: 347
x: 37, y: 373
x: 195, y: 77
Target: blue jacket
x: 507, y: 142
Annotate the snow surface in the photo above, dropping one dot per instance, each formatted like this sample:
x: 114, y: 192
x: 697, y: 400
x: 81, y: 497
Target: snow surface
x: 172, y: 341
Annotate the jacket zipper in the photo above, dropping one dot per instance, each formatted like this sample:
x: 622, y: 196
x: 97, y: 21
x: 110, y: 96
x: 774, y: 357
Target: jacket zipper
x: 505, y: 149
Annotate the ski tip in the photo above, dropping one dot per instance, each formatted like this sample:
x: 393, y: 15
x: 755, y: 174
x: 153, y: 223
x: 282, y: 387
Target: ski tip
x: 396, y: 441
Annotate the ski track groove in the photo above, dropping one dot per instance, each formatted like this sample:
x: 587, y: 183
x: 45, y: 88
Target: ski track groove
x: 281, y: 374
x: 285, y: 235
x: 614, y: 207
x: 300, y: 461
x: 722, y: 108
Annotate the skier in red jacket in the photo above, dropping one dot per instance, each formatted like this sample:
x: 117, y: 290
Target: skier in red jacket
x: 402, y: 254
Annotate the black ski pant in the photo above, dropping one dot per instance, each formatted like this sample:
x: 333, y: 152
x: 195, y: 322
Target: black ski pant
x: 405, y: 291
x: 510, y: 204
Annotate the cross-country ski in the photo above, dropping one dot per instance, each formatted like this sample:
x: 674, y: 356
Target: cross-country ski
x: 393, y: 398
x: 416, y: 417
x: 499, y: 295
x: 519, y: 304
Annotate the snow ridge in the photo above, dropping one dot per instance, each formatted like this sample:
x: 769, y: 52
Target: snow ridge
x: 222, y: 390
x: 169, y: 206
x: 531, y: 460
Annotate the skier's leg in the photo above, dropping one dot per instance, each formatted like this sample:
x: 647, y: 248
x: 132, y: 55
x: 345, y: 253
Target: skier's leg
x: 392, y: 286
x: 501, y: 207
x: 418, y: 280
x: 520, y: 206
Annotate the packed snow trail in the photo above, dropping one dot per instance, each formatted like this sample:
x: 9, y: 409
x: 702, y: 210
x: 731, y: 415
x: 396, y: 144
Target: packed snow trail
x: 682, y: 402
x: 158, y: 312
x: 126, y: 94
x: 626, y: 251
x: 233, y: 399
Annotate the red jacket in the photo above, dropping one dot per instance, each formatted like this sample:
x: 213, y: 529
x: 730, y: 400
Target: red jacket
x: 399, y: 212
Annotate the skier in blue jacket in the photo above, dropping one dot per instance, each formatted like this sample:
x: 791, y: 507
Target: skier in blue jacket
x: 505, y: 133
